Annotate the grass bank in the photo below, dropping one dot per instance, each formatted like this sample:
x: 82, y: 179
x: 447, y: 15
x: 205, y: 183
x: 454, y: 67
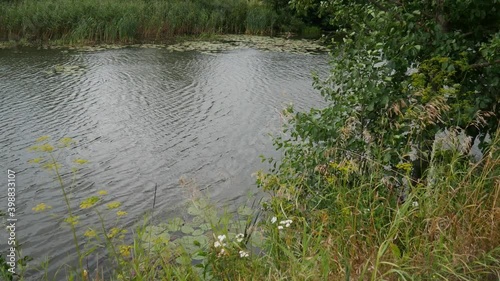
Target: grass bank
x: 127, y: 21
x: 448, y: 227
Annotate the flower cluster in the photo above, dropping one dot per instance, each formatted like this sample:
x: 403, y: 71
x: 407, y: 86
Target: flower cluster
x: 244, y: 254
x: 41, y: 207
x: 286, y: 223
x: 220, y: 242
x: 239, y: 237
x: 282, y: 224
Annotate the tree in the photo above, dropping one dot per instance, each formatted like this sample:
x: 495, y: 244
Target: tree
x: 403, y: 71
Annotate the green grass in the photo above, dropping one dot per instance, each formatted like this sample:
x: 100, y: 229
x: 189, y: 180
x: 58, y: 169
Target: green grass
x: 115, y: 21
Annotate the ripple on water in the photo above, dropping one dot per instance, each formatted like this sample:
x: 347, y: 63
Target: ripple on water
x: 143, y: 117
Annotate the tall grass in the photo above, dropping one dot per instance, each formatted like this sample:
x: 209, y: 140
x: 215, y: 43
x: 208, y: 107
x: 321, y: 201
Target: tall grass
x: 448, y: 228
x: 129, y: 20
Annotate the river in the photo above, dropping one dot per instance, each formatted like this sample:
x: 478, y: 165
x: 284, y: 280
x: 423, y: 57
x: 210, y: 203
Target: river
x: 141, y: 117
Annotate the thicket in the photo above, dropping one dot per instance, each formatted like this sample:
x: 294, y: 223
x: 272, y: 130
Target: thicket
x: 384, y: 173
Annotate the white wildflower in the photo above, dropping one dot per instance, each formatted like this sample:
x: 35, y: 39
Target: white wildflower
x: 243, y: 254
x: 274, y: 219
x: 239, y: 237
x: 217, y: 244
x: 286, y: 223
x: 280, y: 227
x: 221, y: 237
x: 414, y: 204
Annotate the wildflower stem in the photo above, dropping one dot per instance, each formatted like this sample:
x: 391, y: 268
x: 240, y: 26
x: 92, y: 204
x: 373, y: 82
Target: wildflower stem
x: 107, y: 239
x: 152, y: 217
x: 68, y: 206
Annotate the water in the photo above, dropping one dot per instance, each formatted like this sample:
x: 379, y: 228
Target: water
x: 141, y: 117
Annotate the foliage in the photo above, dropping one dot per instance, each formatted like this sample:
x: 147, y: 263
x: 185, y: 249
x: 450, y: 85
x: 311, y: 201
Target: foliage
x: 382, y: 174
x: 446, y: 229
x: 129, y: 21
x: 402, y: 73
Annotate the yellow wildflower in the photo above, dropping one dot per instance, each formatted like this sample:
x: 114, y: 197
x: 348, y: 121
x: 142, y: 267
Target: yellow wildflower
x: 41, y: 207
x: 42, y: 138
x: 72, y: 220
x: 90, y: 233
x: 52, y: 166
x: 89, y: 202
x: 125, y: 250
x: 114, y: 205
x: 46, y: 148
x: 121, y: 213
x: 36, y: 160
x: 80, y: 161
x: 102, y: 192
x: 115, y: 231
x: 404, y: 166
x: 34, y: 148
x: 66, y: 141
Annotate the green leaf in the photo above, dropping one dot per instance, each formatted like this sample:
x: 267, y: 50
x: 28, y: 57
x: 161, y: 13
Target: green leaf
x: 395, y: 250
x: 198, y: 232
x: 175, y: 224
x: 187, y: 229
x: 194, y: 211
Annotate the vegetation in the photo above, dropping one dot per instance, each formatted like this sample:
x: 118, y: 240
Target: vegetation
x: 114, y: 21
x: 380, y: 184
x: 363, y: 169
x: 447, y: 229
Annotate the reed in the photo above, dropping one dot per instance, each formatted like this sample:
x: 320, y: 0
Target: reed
x: 114, y: 21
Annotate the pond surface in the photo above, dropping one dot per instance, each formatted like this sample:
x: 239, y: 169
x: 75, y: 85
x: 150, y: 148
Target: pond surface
x: 141, y: 117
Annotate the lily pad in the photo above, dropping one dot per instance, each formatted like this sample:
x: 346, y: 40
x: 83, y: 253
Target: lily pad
x: 175, y: 224
x: 198, y: 232
x: 156, y: 234
x: 205, y: 226
x: 194, y: 211
x: 187, y: 229
x: 233, y: 42
x: 202, y: 239
x: 65, y: 69
x: 198, y: 220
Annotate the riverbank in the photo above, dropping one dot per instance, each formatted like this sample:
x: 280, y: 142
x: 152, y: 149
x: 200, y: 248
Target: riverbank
x: 130, y: 22
x: 447, y: 229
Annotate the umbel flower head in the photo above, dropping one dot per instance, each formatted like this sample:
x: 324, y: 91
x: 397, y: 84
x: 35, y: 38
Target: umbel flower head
x: 285, y: 223
x: 41, y: 207
x: 239, y: 237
